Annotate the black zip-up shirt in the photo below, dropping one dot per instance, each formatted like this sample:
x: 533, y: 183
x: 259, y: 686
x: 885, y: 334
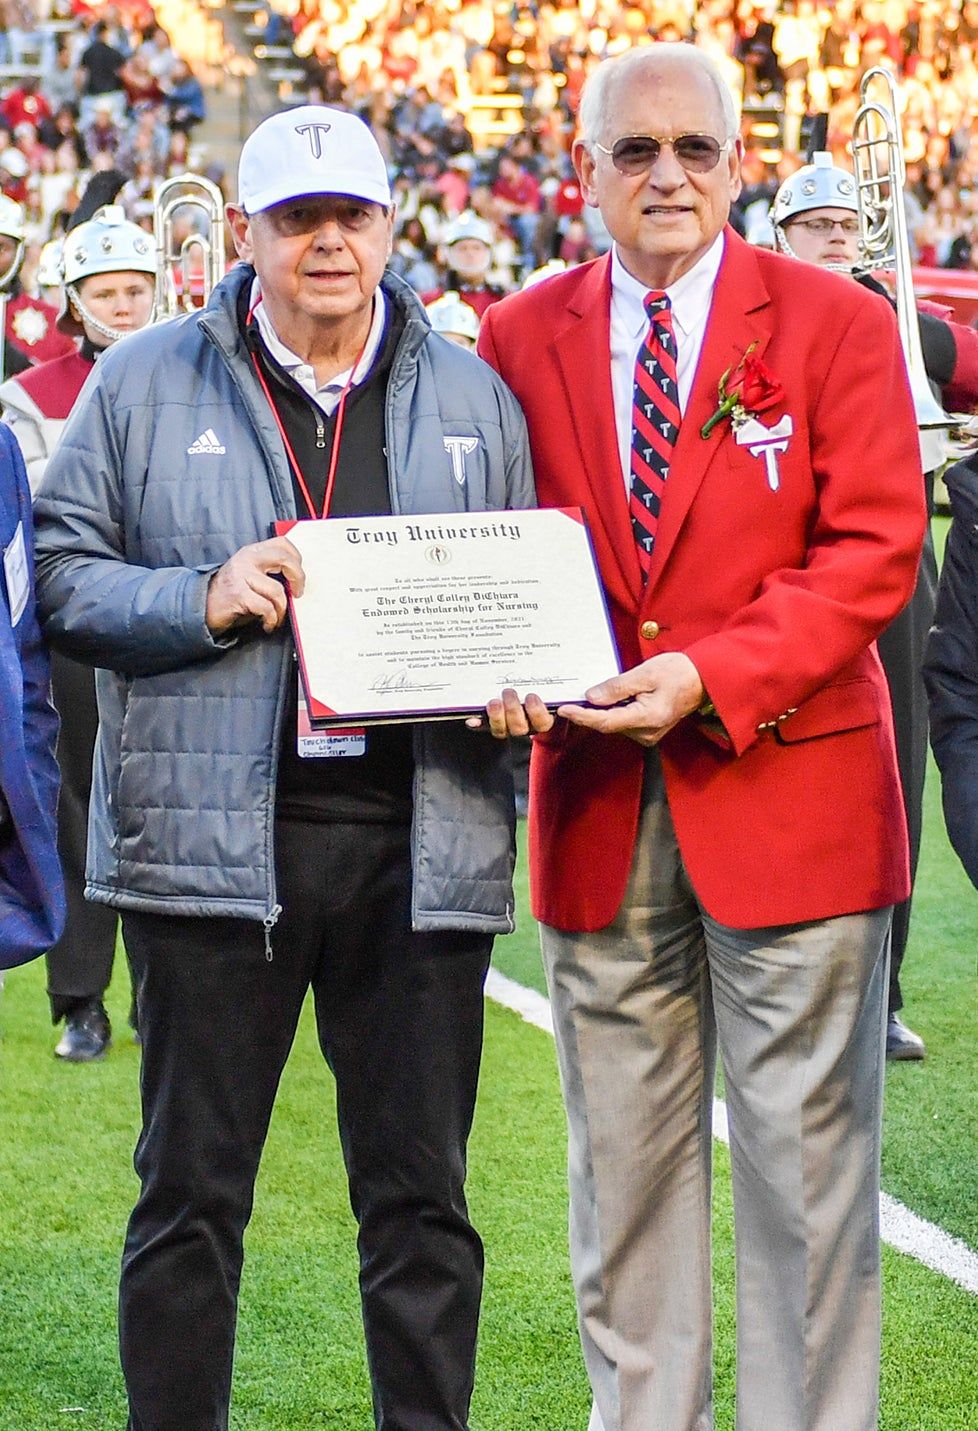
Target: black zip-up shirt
x: 373, y: 788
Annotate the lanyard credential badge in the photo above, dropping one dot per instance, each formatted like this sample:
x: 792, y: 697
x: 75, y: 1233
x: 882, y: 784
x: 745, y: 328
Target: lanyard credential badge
x: 326, y: 744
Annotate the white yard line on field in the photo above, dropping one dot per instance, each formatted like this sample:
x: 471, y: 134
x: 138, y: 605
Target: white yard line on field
x: 900, y: 1227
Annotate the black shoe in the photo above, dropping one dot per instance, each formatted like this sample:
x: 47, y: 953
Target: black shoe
x: 901, y: 1042
x: 87, y: 1034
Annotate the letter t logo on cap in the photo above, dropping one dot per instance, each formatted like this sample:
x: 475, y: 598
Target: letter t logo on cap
x: 314, y: 132
x: 331, y: 151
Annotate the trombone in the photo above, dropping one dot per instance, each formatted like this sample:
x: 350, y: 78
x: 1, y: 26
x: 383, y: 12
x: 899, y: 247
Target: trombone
x: 179, y: 192
x: 880, y: 173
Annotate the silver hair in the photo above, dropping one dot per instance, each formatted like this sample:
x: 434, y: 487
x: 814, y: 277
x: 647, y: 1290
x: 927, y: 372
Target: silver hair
x: 595, y: 95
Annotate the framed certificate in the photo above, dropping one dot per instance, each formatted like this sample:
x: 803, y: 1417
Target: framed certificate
x: 430, y: 617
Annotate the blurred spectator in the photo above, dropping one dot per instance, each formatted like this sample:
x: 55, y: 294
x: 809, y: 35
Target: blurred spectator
x: 184, y: 98
x: 62, y: 129
x: 576, y: 246
x: 159, y: 55
x: 755, y: 50
x: 60, y: 79
x: 141, y: 84
x: 13, y: 173
x: 56, y: 177
x: 177, y: 159
x: 25, y: 102
x: 517, y: 198
x: 454, y: 183
x: 103, y: 133
x: 101, y: 74
x: 414, y: 257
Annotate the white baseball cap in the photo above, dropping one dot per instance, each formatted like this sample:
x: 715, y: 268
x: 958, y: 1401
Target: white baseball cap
x: 313, y: 149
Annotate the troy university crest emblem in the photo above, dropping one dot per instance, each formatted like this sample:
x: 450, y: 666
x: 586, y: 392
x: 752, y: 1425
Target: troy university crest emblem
x: 29, y: 325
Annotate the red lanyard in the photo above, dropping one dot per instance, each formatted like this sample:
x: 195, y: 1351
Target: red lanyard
x: 337, y: 430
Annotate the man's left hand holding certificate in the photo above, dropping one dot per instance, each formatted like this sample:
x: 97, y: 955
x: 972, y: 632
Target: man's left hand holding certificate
x: 430, y: 617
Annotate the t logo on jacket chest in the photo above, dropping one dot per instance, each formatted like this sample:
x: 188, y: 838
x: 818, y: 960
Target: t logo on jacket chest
x: 458, y: 449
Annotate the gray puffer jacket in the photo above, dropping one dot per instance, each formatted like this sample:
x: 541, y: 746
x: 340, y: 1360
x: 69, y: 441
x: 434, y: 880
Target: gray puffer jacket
x: 170, y: 463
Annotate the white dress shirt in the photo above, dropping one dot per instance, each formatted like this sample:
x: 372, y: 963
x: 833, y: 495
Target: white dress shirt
x: 691, y: 297
x: 327, y: 396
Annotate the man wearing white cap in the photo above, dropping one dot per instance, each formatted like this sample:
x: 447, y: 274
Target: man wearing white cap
x: 248, y: 868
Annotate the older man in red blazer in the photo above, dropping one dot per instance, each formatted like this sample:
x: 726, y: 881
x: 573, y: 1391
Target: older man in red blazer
x: 718, y: 838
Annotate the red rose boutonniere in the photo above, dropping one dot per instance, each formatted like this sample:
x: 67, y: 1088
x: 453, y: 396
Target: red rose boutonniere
x: 744, y: 392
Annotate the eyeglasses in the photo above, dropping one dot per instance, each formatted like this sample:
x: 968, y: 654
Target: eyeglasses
x: 821, y: 228
x: 296, y: 217
x: 636, y: 153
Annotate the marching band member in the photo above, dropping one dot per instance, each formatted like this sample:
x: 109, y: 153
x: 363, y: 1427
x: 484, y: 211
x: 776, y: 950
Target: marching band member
x: 451, y: 316
x: 109, y: 268
x: 951, y: 668
x: 468, y: 248
x: 815, y: 215
x: 31, y: 324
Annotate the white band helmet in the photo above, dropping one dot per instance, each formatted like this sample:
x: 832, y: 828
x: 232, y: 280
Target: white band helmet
x: 11, y: 219
x: 451, y: 314
x: 107, y: 243
x: 468, y: 225
x: 12, y: 227
x: 49, y: 265
x: 14, y: 163
x: 818, y: 185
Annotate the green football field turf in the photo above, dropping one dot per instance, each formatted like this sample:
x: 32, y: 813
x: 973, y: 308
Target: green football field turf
x: 66, y: 1185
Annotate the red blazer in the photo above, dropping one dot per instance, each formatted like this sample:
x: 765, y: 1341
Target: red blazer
x: 776, y: 596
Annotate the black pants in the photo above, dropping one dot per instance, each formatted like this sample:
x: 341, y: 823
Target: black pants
x: 901, y: 649
x: 399, y: 1016
x: 80, y: 964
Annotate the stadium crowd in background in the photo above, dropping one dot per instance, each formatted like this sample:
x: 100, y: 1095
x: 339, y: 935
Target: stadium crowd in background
x: 85, y: 91
x: 424, y: 76
x: 474, y: 103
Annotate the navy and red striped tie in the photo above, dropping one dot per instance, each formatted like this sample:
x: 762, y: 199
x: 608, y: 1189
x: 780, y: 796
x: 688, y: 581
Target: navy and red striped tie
x: 655, y: 423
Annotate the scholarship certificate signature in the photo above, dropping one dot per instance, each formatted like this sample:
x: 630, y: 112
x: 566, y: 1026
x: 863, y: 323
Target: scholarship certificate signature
x: 414, y: 618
